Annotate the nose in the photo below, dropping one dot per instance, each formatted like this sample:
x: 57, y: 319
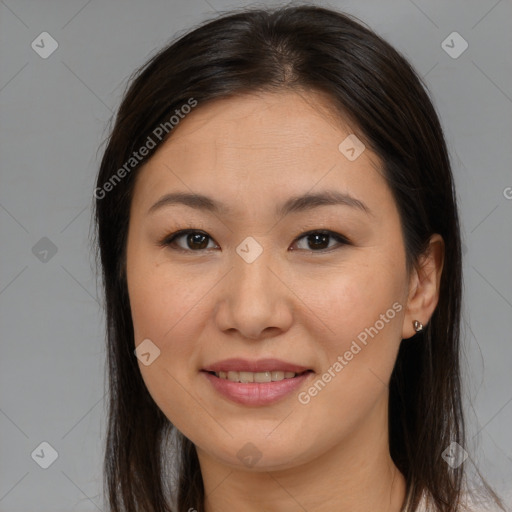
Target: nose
x: 254, y: 299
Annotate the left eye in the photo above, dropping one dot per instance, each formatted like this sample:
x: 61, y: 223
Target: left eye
x: 319, y: 240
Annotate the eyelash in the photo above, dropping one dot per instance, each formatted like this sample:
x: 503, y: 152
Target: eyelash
x: 169, y: 240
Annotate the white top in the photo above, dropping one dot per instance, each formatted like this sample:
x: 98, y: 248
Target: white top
x: 467, y: 506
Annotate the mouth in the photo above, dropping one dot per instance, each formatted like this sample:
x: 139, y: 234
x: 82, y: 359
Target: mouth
x: 257, y: 377
x: 256, y: 383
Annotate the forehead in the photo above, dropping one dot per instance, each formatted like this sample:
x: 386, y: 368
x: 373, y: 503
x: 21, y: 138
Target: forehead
x: 262, y: 145
x: 262, y: 122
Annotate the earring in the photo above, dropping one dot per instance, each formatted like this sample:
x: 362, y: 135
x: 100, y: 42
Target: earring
x: 418, y: 326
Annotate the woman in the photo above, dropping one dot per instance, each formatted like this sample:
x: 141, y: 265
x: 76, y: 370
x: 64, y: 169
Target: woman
x: 280, y: 249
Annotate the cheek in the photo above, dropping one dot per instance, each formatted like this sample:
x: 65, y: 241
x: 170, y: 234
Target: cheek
x: 352, y: 299
x: 167, y: 310
x: 160, y: 293
x: 363, y: 312
x: 170, y: 307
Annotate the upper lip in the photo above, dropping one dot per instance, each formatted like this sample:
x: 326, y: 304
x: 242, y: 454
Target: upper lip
x: 260, y: 365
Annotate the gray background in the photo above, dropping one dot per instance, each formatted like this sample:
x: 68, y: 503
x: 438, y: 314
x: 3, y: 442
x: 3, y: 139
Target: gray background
x: 54, y: 115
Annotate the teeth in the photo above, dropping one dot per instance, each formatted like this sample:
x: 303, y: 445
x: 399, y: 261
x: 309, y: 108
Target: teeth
x: 255, y: 376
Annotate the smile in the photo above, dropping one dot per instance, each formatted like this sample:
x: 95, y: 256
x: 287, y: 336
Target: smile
x: 256, y: 389
x: 258, y: 377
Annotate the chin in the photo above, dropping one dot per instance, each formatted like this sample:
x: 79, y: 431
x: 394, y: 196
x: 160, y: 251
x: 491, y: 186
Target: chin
x: 258, y: 453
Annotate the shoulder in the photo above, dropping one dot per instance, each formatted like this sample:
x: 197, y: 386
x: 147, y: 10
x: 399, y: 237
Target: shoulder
x: 475, y: 502
x: 467, y: 505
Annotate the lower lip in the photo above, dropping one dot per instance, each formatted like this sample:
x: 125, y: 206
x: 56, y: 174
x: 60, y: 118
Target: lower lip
x: 256, y: 393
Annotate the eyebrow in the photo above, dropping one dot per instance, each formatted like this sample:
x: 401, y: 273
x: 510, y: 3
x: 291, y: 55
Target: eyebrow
x: 294, y: 204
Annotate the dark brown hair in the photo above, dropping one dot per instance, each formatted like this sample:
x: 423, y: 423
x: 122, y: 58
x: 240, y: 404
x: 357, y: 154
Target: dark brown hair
x: 304, y: 48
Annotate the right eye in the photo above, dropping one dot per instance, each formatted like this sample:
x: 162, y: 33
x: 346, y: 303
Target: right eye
x: 194, y: 240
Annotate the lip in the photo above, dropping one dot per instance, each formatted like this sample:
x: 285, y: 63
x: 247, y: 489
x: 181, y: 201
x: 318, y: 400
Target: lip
x: 256, y: 394
x: 260, y: 365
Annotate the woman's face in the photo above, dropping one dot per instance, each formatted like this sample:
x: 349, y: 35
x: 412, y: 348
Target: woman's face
x: 250, y: 285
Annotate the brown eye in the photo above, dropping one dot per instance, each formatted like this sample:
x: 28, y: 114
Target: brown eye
x: 194, y: 240
x: 197, y: 240
x: 317, y: 241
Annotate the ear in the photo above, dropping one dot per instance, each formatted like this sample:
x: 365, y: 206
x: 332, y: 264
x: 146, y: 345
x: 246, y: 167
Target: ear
x: 424, y: 283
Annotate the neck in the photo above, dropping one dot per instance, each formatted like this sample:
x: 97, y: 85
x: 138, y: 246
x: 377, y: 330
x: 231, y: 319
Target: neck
x: 356, y: 475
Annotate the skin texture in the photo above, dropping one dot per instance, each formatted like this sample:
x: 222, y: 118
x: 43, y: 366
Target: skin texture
x: 295, y: 302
